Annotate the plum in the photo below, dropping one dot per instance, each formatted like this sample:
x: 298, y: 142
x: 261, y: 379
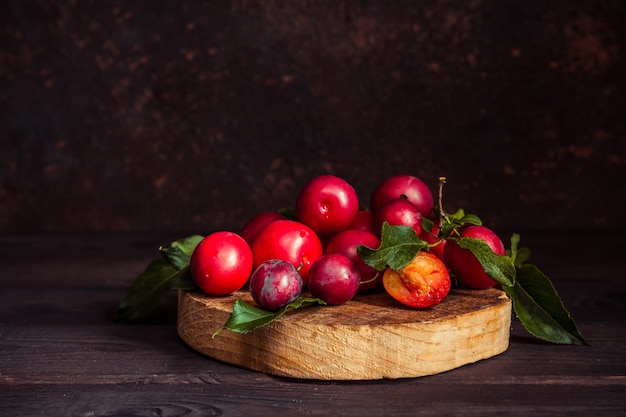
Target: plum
x: 423, y: 283
x: 432, y: 238
x: 274, y: 284
x: 334, y: 278
x: 464, y: 264
x: 406, y: 186
x: 399, y: 212
x: 257, y: 223
x: 327, y: 204
x: 347, y: 242
x: 364, y: 220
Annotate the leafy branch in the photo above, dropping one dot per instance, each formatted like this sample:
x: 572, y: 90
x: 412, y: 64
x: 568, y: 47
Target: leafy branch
x: 169, y: 272
x: 535, y: 300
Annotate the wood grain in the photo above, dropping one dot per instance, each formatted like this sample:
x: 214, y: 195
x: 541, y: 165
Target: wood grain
x: 61, y: 353
x: 370, y: 337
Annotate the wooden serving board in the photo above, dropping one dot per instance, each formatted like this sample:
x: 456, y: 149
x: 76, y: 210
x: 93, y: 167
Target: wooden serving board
x: 370, y: 337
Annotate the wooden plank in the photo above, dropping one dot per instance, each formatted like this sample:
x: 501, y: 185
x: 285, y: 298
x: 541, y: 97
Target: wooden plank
x: 61, y: 354
x: 370, y: 337
x: 419, y: 397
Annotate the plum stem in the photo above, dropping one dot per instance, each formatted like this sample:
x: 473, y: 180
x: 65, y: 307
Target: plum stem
x: 442, y: 214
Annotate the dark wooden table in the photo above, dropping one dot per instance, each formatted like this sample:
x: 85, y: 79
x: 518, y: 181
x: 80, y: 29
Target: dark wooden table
x: 63, y: 355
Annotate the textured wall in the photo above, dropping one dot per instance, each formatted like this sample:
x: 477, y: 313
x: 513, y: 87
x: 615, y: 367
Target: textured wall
x: 192, y: 115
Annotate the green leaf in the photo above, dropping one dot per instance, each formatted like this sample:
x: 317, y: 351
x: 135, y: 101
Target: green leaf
x: 180, y: 251
x: 522, y: 256
x: 159, y: 277
x: 456, y: 216
x: 246, y: 318
x: 447, y: 229
x: 399, y: 246
x: 455, y: 221
x: 184, y: 281
x: 540, y: 309
x: 518, y: 255
x: 499, y: 268
x: 288, y: 212
x: 146, y: 292
x: 187, y: 244
x: 427, y: 225
x: 471, y: 219
x: 176, y: 257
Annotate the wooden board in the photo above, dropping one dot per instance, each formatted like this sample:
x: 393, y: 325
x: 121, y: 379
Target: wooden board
x: 370, y: 337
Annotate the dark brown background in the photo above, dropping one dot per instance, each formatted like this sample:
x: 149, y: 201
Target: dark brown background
x: 192, y: 115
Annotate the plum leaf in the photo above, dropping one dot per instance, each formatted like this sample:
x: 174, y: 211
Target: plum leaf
x: 451, y: 222
x: 161, y: 275
x: 147, y: 291
x: 535, y: 300
x: 179, y: 252
x: 175, y: 257
x: 540, y: 309
x: 499, y: 268
x: 245, y: 318
x: 518, y: 255
x: 184, y: 281
x: 398, y: 247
